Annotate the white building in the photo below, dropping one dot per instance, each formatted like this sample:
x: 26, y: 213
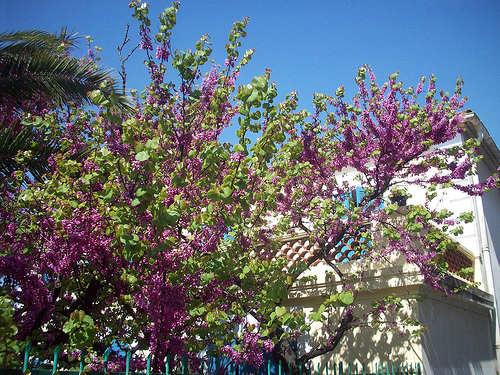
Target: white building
x: 462, y: 334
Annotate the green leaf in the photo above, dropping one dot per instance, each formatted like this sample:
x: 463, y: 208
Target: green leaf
x: 316, y: 316
x: 244, y: 110
x: 152, y: 144
x: 210, y: 317
x: 227, y: 191
x: 170, y: 217
x: 142, y: 156
x: 213, y: 196
x: 253, y: 96
x: 346, y: 297
x: 140, y: 191
x: 260, y: 83
x: 280, y: 310
x: 208, y: 276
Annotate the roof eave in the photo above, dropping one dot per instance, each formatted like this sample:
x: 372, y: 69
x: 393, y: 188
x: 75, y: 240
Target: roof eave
x: 474, y: 128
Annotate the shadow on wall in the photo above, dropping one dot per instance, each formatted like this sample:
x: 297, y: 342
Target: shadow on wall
x: 369, y: 347
x: 458, y: 340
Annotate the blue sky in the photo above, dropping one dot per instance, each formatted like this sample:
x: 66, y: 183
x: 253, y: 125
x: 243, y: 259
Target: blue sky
x: 310, y: 46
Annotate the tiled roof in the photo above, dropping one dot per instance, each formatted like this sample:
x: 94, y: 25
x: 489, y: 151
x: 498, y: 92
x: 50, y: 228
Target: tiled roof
x: 298, y: 249
x: 301, y: 249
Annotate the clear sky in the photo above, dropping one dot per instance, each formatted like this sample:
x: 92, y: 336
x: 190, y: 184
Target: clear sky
x: 310, y: 46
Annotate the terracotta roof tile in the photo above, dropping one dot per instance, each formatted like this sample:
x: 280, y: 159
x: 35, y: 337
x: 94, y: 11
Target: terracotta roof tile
x: 300, y: 249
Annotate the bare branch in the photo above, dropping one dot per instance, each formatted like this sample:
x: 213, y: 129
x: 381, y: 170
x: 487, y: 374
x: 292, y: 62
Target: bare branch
x: 126, y: 40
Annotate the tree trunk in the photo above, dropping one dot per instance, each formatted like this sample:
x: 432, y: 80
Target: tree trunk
x: 283, y: 352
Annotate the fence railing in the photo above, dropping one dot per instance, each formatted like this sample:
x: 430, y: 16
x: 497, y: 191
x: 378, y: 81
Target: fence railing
x: 214, y: 367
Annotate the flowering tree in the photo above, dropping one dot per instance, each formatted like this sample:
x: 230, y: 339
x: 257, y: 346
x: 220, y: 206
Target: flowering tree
x: 163, y: 238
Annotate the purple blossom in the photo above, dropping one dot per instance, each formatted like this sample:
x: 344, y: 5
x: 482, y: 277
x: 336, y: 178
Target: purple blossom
x: 144, y: 33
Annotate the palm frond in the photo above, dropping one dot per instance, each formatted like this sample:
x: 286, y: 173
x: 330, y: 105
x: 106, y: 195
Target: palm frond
x: 30, y: 65
x: 13, y: 143
x: 37, y: 40
x: 38, y: 150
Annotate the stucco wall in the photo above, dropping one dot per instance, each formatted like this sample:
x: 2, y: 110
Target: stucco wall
x: 362, y: 346
x: 458, y: 339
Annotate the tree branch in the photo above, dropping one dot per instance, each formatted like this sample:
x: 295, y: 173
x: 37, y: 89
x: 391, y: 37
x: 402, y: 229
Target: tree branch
x: 123, y: 74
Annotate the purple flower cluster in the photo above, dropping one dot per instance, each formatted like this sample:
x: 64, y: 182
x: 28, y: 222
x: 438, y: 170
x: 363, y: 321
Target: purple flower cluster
x: 144, y: 33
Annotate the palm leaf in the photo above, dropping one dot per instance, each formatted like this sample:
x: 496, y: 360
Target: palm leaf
x: 12, y: 143
x: 31, y: 66
x: 34, y: 41
x: 29, y: 139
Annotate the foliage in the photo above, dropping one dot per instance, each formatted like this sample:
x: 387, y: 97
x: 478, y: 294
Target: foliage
x: 10, y: 347
x: 37, y: 75
x: 36, y: 63
x: 163, y: 238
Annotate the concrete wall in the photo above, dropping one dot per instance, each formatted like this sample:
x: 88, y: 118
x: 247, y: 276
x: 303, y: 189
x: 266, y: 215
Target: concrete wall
x: 458, y: 340
x: 362, y: 346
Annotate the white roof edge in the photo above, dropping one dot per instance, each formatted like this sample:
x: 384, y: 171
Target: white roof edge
x: 474, y: 128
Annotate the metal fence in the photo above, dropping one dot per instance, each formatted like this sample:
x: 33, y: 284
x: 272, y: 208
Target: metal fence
x: 218, y: 366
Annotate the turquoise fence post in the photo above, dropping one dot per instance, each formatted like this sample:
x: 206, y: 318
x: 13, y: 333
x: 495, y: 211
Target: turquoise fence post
x: 279, y: 368
x: 341, y: 368
x: 27, y: 350
x: 310, y: 368
x: 290, y: 367
x: 319, y: 373
x: 268, y: 367
x: 184, y: 364
x: 327, y: 368
x: 106, y: 357
x: 167, y: 366
x: 148, y: 368
x: 127, y: 365
x: 300, y: 368
x: 56, y: 358
x: 419, y: 370
x: 83, y: 353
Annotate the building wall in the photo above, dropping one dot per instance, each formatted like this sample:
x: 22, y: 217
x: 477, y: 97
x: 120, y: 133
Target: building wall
x: 458, y: 340
x: 364, y: 345
x: 489, y: 206
x: 460, y: 336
